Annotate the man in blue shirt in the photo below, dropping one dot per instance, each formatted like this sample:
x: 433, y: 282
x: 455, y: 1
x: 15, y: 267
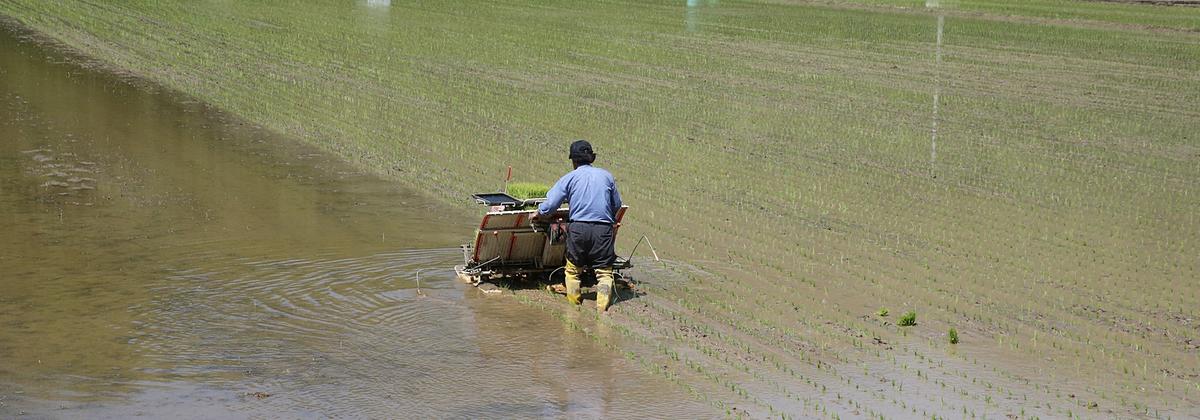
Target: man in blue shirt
x: 591, y: 194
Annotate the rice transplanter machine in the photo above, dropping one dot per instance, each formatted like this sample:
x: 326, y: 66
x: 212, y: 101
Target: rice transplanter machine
x: 509, y: 245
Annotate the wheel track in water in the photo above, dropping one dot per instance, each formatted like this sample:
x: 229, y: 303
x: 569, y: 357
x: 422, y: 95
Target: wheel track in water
x: 830, y: 382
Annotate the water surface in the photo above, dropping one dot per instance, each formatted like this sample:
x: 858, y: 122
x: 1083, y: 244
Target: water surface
x: 160, y: 258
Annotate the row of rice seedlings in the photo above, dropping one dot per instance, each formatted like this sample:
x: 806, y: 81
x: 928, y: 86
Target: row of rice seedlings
x: 748, y: 349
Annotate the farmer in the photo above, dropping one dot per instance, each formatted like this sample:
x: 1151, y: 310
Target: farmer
x: 592, y: 196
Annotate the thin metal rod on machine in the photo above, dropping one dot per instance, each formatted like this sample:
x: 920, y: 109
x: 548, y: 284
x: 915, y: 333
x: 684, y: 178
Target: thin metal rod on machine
x: 485, y: 263
x: 639, y: 242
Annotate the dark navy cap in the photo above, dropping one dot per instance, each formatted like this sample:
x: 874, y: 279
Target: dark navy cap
x: 582, y: 150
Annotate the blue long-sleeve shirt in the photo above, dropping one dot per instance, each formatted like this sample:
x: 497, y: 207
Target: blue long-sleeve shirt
x: 592, y: 193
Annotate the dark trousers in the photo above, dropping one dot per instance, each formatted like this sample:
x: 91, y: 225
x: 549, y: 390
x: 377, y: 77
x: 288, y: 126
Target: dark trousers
x: 591, y: 244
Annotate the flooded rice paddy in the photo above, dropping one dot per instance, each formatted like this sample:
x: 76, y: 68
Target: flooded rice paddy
x: 159, y: 258
x: 1022, y: 173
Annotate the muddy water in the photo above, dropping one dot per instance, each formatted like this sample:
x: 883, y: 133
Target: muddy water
x: 159, y: 258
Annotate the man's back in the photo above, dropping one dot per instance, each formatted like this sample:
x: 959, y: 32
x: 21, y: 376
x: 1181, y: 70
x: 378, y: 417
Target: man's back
x: 591, y: 192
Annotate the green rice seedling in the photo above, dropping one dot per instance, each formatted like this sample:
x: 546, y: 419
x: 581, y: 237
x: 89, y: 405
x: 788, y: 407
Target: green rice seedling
x: 908, y: 319
x: 953, y: 336
x: 527, y: 190
x: 883, y: 312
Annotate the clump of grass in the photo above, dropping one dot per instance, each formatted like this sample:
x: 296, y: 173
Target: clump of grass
x: 908, y: 319
x: 527, y: 190
x: 883, y: 312
x: 953, y: 335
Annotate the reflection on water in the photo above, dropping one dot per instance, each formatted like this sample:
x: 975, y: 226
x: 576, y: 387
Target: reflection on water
x: 159, y: 258
x: 692, y: 15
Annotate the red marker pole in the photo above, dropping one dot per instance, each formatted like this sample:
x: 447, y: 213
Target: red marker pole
x: 507, y: 178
